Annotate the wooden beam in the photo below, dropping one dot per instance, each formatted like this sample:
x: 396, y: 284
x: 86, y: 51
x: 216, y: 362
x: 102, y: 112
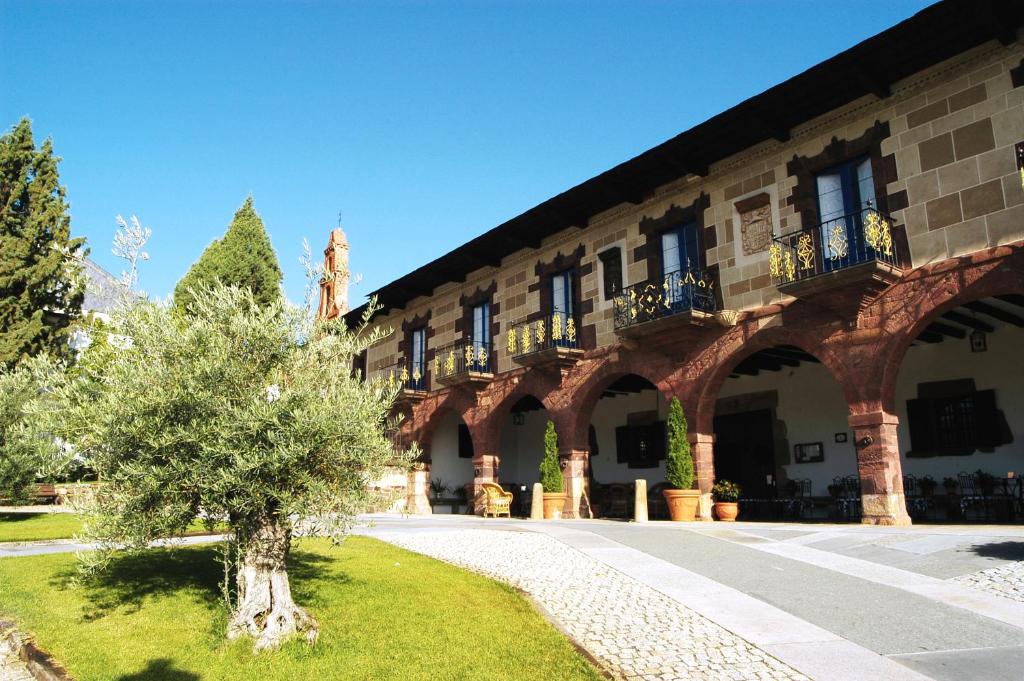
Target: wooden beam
x: 967, y: 320
x: 947, y: 330
x: 1012, y: 299
x: 995, y: 313
x: 875, y: 84
x: 929, y: 337
x: 780, y: 358
x: 798, y: 355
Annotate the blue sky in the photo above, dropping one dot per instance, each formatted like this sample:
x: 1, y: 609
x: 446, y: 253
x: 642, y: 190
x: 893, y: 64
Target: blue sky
x: 423, y: 123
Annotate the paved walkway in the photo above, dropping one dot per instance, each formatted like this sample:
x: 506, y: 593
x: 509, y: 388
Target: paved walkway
x: 831, y: 602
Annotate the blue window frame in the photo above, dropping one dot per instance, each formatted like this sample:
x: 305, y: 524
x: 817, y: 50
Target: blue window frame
x: 680, y: 253
x: 562, y: 303
x: 481, y: 336
x: 844, y: 192
x: 418, y: 366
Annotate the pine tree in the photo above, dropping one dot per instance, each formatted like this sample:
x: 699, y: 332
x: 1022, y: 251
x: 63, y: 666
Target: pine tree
x: 243, y: 257
x: 550, y: 471
x: 679, y: 462
x: 41, y: 285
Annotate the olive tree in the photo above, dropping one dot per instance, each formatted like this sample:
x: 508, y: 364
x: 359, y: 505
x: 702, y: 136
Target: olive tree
x: 239, y: 412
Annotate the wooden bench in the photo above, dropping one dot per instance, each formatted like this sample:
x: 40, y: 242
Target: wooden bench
x: 46, y: 493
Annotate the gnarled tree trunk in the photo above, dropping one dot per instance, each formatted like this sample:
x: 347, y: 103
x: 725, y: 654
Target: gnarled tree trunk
x: 265, y: 609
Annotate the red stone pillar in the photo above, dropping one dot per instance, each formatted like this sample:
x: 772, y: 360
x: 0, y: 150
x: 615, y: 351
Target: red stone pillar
x: 575, y: 463
x: 878, y: 463
x: 485, y: 469
x: 702, y: 449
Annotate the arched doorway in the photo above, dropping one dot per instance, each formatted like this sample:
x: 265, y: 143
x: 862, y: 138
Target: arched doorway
x: 451, y: 465
x: 626, y: 443
x: 959, y: 397
x: 522, y: 448
x: 781, y: 427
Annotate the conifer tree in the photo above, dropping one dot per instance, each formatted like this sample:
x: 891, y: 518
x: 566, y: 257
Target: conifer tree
x: 41, y: 285
x: 243, y: 257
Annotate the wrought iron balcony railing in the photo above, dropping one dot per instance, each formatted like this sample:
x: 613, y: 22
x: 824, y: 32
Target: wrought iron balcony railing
x: 464, y: 357
x: 860, y: 237
x: 557, y: 330
x: 405, y: 375
x: 691, y: 290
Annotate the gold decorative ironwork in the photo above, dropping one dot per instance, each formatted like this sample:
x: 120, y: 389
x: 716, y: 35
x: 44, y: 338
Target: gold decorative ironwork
x: 805, y: 251
x: 790, y: 266
x: 526, y: 338
x: 556, y: 327
x: 540, y: 332
x: 437, y: 366
x: 570, y: 330
x: 775, y: 261
x: 416, y: 375
x: 404, y: 376
x: 469, y: 353
x: 838, y: 245
x: 391, y: 379
x: 511, y: 341
x: 878, y: 233
x: 449, y: 363
x: 482, y: 356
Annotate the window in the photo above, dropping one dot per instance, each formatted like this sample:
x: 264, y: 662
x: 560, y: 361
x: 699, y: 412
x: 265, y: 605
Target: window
x: 947, y: 422
x: 611, y: 270
x: 481, y: 336
x: 680, y: 254
x: 640, y: 446
x: 418, y: 365
x: 359, y: 366
x: 844, y: 191
x: 561, y: 306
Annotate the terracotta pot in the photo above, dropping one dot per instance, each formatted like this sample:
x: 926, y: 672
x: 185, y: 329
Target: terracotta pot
x: 682, y: 503
x: 727, y: 510
x: 553, y: 505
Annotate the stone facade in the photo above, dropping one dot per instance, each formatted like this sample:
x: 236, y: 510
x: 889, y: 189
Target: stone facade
x: 943, y: 166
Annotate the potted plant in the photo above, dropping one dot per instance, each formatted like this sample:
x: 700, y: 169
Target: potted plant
x: 437, y: 488
x: 551, y: 476
x: 681, y: 498
x: 726, y: 495
x: 928, y: 485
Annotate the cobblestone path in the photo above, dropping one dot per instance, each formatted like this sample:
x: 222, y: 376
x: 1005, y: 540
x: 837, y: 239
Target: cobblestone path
x: 634, y: 631
x: 1005, y: 580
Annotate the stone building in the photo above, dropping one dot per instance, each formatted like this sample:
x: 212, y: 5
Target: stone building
x: 829, y: 276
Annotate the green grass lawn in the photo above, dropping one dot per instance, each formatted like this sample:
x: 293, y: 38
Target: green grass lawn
x: 384, y: 613
x: 38, y: 526
x: 41, y: 526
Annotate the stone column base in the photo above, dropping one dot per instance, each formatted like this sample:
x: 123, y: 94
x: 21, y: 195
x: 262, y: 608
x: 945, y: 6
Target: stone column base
x: 884, y: 509
x: 416, y: 501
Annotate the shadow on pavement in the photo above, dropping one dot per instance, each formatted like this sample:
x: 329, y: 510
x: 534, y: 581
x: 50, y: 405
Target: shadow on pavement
x: 1003, y: 550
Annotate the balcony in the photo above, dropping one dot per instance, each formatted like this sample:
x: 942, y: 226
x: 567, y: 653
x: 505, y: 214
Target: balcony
x: 464, y: 362
x: 680, y: 299
x: 551, y: 341
x: 410, y: 380
x: 842, y: 263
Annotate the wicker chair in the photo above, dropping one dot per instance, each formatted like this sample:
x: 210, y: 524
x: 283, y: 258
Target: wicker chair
x: 496, y: 500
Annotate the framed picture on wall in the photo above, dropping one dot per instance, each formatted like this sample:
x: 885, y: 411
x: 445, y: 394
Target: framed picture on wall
x: 809, y: 452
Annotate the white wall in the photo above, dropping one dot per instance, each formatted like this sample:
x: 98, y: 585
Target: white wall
x: 813, y: 408
x: 445, y: 463
x: 1000, y: 368
x: 609, y: 414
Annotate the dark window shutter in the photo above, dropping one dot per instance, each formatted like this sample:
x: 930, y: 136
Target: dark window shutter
x: 622, y: 442
x: 592, y: 441
x: 465, y: 442
x: 611, y: 261
x: 919, y: 421
x: 986, y: 418
x: 659, y: 438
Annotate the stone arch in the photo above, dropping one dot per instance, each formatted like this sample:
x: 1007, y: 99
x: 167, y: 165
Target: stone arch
x: 579, y: 403
x: 719, y: 360
x: 927, y: 295
x: 536, y: 382
x: 429, y: 414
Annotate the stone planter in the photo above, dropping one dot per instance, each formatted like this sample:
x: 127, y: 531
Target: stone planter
x: 727, y: 511
x: 553, y: 505
x: 682, y: 503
